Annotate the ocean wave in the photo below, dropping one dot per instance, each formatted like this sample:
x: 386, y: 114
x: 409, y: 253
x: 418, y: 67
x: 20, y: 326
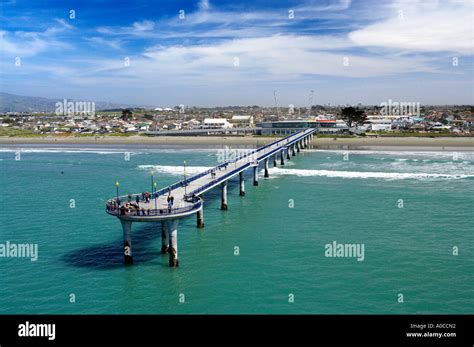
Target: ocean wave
x: 66, y: 150
x: 430, y: 154
x: 367, y: 174
x: 115, y: 150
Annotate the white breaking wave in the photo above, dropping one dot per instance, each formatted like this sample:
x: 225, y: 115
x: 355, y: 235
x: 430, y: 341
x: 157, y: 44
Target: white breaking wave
x: 64, y: 150
x: 276, y: 171
x: 175, y: 170
x: 430, y: 154
x: 357, y: 174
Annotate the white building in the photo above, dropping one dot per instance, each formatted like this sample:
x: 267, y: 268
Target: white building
x: 379, y: 125
x: 242, y: 121
x: 216, y: 123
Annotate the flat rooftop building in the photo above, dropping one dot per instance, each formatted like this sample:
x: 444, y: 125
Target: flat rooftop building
x: 292, y: 126
x: 216, y: 123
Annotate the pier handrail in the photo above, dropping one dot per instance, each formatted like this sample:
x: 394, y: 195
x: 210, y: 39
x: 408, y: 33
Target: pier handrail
x: 117, y: 210
x: 241, y: 168
x: 216, y: 181
x: 195, y: 177
x: 181, y: 183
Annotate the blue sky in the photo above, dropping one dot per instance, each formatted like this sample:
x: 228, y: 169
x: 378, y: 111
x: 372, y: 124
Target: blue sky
x: 239, y: 52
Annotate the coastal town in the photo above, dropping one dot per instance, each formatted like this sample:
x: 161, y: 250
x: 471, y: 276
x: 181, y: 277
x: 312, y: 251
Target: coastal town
x: 251, y: 120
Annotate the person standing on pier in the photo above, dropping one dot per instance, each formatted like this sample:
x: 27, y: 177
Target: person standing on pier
x: 137, y: 199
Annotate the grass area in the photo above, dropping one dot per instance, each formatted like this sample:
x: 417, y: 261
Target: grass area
x: 122, y: 134
x: 10, y: 132
x: 331, y: 136
x: 415, y: 134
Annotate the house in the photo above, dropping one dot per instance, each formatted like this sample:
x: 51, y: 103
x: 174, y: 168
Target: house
x: 174, y: 126
x: 469, y: 122
x: 194, y: 124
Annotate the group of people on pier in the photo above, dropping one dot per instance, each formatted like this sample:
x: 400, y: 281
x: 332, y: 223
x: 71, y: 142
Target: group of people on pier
x: 134, y: 208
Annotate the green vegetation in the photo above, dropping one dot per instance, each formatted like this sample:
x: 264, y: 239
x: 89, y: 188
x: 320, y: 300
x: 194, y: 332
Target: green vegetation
x: 338, y: 136
x: 17, y: 132
x: 120, y: 134
x: 353, y: 116
x: 414, y: 134
x: 127, y: 114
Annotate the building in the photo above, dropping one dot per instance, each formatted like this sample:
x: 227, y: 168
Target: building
x: 242, y: 121
x: 216, y: 123
x: 324, y: 126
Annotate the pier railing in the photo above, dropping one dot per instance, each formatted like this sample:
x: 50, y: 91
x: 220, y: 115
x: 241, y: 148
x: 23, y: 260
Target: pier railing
x: 235, y: 171
x: 112, y: 205
x: 130, y: 209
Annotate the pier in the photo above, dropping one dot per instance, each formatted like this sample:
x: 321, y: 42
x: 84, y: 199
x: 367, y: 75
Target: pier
x: 187, y: 193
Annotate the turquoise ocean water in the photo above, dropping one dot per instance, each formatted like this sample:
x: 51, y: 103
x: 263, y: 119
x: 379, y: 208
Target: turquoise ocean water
x: 408, y: 250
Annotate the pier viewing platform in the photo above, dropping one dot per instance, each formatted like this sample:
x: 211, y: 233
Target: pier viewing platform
x: 182, y: 199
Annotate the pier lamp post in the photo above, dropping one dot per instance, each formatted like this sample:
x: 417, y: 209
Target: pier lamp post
x: 117, y: 186
x: 185, y: 177
x: 151, y: 173
x: 156, y: 198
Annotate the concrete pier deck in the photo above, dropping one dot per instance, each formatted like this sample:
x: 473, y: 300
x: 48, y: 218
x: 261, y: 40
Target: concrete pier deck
x: 186, y: 193
x: 186, y: 199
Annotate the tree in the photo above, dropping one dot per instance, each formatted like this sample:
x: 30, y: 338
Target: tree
x: 127, y: 114
x: 353, y: 116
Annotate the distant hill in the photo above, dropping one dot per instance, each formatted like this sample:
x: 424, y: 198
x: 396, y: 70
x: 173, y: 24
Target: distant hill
x: 18, y: 103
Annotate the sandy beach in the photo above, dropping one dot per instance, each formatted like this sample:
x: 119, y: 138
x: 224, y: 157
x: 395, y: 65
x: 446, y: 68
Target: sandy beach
x: 400, y: 143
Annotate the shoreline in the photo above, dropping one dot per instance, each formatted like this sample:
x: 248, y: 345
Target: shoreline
x: 399, y: 143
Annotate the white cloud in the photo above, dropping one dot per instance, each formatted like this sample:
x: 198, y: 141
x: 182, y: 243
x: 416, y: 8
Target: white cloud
x: 21, y: 43
x: 145, y: 25
x: 278, y: 58
x: 101, y: 42
x: 418, y: 26
x: 204, y: 5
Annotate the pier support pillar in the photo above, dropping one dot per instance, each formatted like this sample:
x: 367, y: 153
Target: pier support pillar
x: 172, y: 228
x: 127, y: 241
x: 274, y: 160
x: 165, y: 241
x: 224, y: 195
x: 293, y: 153
x: 266, y: 169
x: 282, y: 157
x: 288, y: 153
x: 242, y: 184
x: 298, y: 146
x: 255, y: 175
x: 200, y: 218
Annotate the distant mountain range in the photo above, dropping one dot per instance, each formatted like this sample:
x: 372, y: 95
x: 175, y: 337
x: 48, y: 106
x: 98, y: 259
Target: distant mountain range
x: 19, y: 103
